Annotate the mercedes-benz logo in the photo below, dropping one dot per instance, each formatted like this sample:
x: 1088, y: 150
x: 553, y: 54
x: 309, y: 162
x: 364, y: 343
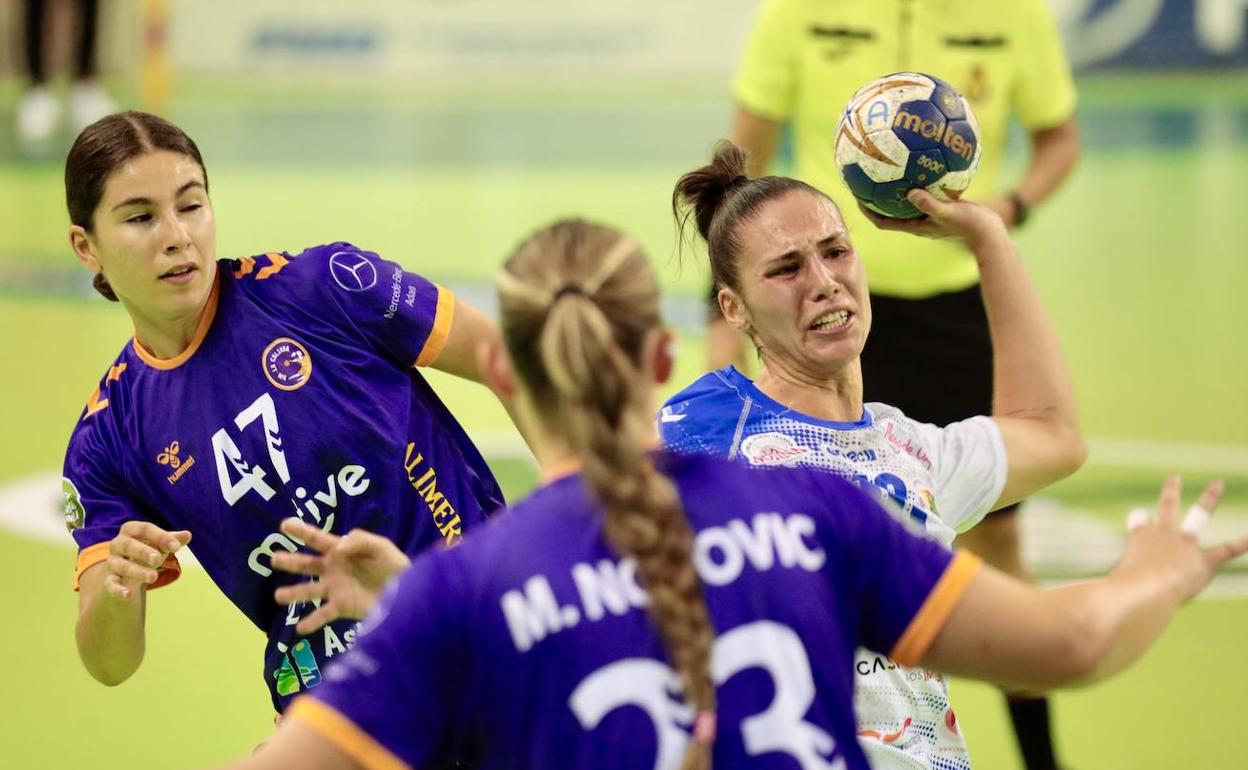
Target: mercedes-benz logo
x: 352, y: 271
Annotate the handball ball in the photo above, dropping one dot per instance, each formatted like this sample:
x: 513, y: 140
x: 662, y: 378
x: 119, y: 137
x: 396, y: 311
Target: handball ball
x: 903, y: 131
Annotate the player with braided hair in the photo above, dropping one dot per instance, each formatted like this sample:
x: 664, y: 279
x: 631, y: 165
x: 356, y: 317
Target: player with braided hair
x: 645, y: 609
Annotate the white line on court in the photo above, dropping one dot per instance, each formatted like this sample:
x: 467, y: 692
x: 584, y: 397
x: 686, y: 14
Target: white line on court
x: 1059, y: 542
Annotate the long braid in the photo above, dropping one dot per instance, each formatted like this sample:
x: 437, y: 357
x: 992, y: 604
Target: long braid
x: 577, y: 302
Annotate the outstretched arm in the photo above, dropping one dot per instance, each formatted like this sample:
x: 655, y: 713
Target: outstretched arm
x: 1014, y: 634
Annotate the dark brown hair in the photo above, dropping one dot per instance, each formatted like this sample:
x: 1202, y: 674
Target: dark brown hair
x: 102, y: 148
x: 719, y: 197
x: 577, y: 301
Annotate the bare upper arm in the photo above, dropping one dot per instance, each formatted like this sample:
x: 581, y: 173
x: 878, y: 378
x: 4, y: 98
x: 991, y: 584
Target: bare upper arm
x: 1038, y: 452
x: 1011, y: 633
x: 469, y: 328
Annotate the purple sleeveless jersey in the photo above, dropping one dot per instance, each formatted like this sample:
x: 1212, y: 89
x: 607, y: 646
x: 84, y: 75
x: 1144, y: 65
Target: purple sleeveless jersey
x: 530, y: 646
x: 297, y: 397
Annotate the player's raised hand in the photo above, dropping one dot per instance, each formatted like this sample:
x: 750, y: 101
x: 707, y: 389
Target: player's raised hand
x: 960, y: 220
x: 350, y: 572
x: 1167, y: 546
x: 135, y: 556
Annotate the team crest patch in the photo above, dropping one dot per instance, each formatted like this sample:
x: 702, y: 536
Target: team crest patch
x: 75, y: 514
x: 772, y: 449
x: 287, y: 364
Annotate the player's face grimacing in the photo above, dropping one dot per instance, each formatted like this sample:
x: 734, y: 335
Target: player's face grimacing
x: 154, y: 235
x: 803, y: 287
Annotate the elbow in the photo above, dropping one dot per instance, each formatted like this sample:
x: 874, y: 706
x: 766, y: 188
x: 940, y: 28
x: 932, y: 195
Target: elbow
x: 110, y: 677
x: 1075, y: 451
x: 108, y: 668
x: 109, y: 671
x: 1078, y: 652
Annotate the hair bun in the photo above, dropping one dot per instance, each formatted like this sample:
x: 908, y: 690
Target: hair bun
x: 702, y: 192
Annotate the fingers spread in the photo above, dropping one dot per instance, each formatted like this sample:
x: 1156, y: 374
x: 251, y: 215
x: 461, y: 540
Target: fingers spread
x: 298, y: 563
x: 300, y: 592
x: 1168, y: 501
x: 1211, y: 495
x: 1216, y: 557
x: 327, y: 613
x: 314, y: 537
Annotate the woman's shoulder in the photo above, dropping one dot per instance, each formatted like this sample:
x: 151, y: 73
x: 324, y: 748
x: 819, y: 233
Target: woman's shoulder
x: 706, y: 396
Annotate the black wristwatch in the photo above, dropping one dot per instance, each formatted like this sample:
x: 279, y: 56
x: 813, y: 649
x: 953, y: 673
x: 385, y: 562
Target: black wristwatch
x: 1021, y: 209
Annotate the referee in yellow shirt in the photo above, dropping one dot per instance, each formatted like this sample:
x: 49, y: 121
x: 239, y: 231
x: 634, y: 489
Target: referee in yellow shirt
x: 929, y: 351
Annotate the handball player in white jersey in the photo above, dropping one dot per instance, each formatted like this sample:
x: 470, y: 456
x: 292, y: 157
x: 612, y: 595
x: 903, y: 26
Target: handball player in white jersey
x: 788, y: 277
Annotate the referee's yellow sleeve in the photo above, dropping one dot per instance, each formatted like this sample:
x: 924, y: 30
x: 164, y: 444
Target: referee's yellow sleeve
x: 766, y: 81
x: 1045, y: 90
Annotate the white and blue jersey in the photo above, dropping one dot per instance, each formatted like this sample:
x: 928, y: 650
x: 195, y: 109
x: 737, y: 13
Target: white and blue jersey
x: 941, y: 479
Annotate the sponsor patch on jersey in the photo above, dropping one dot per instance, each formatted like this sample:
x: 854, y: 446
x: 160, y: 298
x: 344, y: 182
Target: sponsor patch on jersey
x: 179, y: 466
x: 772, y: 449
x: 352, y: 271
x: 287, y: 364
x: 75, y: 513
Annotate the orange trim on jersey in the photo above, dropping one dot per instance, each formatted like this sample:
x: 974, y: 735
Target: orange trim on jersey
x: 245, y: 266
x: 276, y: 263
x: 90, y: 556
x: 201, y: 331
x: 936, y: 609
x: 95, y: 403
x: 442, y: 318
x: 366, y: 750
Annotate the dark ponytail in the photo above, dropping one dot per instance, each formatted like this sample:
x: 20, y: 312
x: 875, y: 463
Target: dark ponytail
x: 719, y: 197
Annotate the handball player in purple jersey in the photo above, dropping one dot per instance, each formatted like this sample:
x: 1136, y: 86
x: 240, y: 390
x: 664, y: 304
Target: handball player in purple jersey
x: 254, y: 389
x: 644, y: 609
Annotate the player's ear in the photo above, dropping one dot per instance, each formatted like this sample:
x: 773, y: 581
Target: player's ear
x: 733, y: 309
x: 659, y: 355
x: 496, y: 369
x: 84, y: 250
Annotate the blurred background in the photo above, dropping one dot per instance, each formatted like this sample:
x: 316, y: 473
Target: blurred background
x: 439, y: 133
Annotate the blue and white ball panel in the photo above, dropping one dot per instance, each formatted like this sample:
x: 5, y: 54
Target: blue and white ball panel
x: 890, y: 199
x: 919, y: 124
x: 861, y: 185
x: 926, y: 167
x: 960, y: 145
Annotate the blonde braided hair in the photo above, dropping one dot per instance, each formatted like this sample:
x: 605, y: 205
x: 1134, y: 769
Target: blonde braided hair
x: 577, y: 301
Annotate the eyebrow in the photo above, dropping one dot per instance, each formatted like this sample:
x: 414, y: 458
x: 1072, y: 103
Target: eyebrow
x: 793, y: 253
x: 141, y: 201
